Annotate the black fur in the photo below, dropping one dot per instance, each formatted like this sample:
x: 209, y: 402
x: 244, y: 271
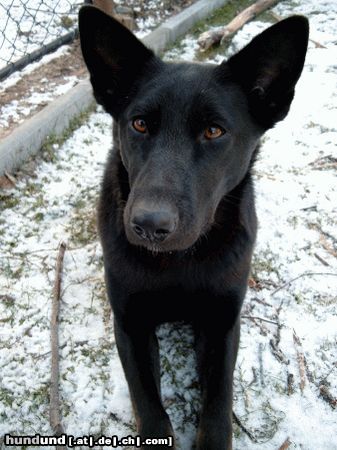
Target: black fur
x: 176, y: 215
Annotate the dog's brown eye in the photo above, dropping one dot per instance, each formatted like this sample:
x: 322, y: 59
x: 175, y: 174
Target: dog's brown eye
x: 139, y: 125
x: 213, y: 132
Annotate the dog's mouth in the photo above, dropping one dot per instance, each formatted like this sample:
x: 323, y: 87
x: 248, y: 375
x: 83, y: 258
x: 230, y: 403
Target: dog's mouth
x: 156, y: 249
x: 178, y: 242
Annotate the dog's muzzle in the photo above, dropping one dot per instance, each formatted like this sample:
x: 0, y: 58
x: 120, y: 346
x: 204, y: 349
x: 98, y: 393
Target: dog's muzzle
x: 153, y: 225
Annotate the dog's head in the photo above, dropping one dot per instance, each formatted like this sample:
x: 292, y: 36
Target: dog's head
x: 187, y: 132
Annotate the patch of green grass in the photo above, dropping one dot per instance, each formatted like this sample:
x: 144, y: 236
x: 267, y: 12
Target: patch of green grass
x: 219, y: 18
x: 325, y: 300
x: 264, y: 262
x: 40, y: 396
x: 293, y: 221
x: 12, y: 270
x: 327, y: 345
x: 102, y: 127
x: 53, y: 142
x: 38, y: 217
x: 79, y: 203
x: 8, y: 201
x: 6, y: 396
x: 298, y: 298
x: 82, y: 227
x: 67, y: 22
x: 88, y: 141
x: 99, y: 355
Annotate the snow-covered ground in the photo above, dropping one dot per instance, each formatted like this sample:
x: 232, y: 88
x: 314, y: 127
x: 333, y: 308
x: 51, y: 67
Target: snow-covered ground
x: 33, y: 98
x: 289, y: 322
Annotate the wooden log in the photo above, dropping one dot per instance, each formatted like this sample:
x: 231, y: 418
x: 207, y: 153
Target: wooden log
x: 209, y: 38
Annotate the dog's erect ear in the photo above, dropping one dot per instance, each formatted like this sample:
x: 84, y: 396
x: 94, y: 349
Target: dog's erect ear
x: 269, y: 67
x: 114, y: 57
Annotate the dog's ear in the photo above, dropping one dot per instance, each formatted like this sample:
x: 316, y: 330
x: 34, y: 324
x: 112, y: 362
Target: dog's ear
x: 269, y: 67
x: 114, y: 57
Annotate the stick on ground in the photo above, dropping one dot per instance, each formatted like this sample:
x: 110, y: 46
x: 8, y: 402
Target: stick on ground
x: 285, y: 444
x: 300, y: 360
x: 209, y: 38
x: 327, y: 396
x: 54, y: 412
x: 305, y: 274
x: 244, y: 429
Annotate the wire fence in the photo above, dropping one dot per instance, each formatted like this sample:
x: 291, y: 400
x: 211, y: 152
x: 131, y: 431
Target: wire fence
x: 31, y: 28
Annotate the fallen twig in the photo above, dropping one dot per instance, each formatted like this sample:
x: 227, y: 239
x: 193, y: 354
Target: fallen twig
x: 263, y: 329
x: 321, y: 260
x: 261, y: 365
x: 285, y: 445
x: 255, y: 378
x: 10, y: 178
x: 244, y: 429
x: 324, y: 379
x: 275, y: 341
x: 54, y: 411
x: 278, y: 330
x: 327, y: 246
x: 304, y: 371
x: 305, y: 274
x: 290, y: 384
x: 300, y: 360
x: 277, y: 352
x: 308, y: 371
x: 209, y: 38
x: 262, y: 302
x: 259, y: 318
x: 327, y: 396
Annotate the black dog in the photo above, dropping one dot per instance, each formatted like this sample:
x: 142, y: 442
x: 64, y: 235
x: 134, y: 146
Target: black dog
x: 176, y: 216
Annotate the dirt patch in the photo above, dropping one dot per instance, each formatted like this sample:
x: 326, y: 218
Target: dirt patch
x: 41, y: 80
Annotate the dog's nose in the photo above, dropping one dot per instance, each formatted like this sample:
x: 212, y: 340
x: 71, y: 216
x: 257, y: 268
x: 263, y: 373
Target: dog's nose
x: 154, y: 226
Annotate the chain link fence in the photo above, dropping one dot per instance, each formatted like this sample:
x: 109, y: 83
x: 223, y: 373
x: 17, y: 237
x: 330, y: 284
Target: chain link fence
x: 29, y: 29
x: 32, y: 28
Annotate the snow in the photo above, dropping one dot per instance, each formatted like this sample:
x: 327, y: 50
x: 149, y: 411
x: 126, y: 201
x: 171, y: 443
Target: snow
x: 10, y: 111
x: 17, y: 110
x: 294, y: 294
x: 16, y: 76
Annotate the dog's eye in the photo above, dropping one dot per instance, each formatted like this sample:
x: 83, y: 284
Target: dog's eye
x: 213, y: 132
x: 139, y: 125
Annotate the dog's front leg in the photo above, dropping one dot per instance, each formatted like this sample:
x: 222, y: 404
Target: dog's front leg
x: 138, y: 351
x: 216, y: 345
